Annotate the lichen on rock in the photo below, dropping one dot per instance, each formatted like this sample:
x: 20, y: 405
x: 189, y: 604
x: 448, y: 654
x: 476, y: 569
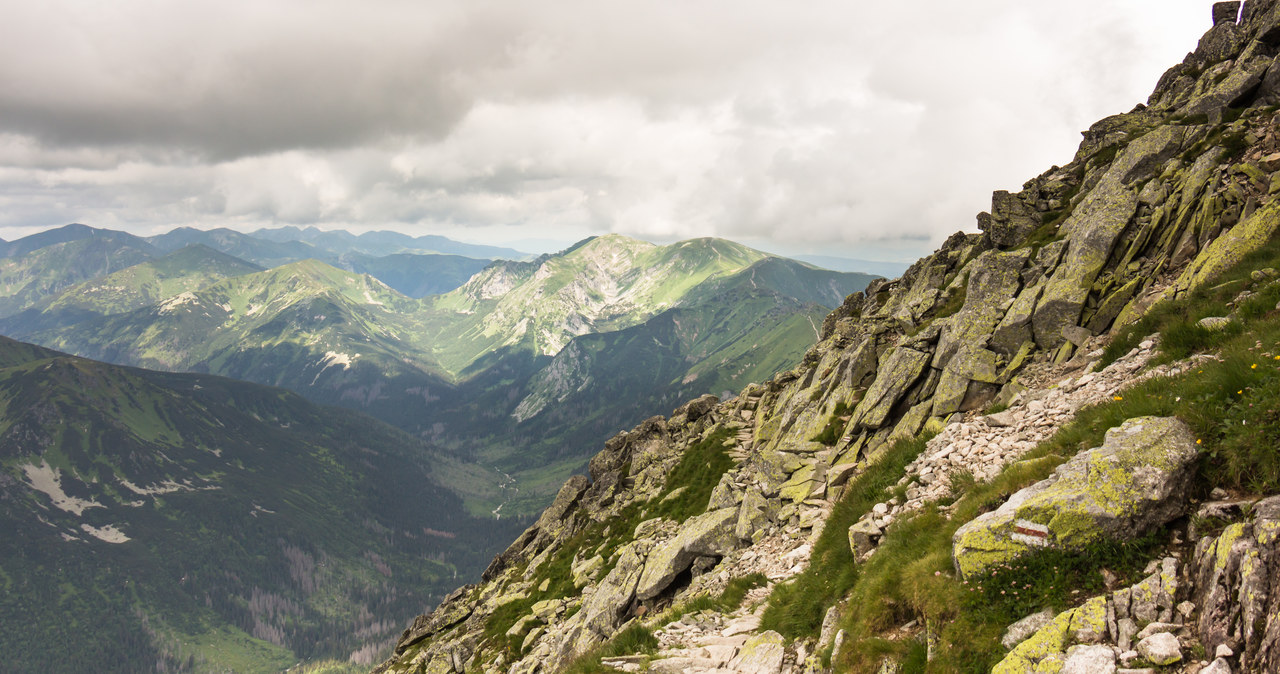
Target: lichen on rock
x: 1135, y: 481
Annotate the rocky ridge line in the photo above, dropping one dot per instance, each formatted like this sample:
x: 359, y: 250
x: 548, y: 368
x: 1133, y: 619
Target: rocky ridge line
x: 1155, y: 203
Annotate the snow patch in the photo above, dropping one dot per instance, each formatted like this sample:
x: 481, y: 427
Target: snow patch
x: 45, y: 478
x: 109, y: 533
x: 368, y: 299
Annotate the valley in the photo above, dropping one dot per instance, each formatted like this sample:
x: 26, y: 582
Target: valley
x: 204, y: 513
x: 522, y: 368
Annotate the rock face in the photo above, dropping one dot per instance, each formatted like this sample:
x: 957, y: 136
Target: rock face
x: 1235, y: 577
x: 1156, y: 202
x: 1135, y: 481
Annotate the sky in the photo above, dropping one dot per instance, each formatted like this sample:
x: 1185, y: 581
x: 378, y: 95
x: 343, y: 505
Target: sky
x: 843, y: 127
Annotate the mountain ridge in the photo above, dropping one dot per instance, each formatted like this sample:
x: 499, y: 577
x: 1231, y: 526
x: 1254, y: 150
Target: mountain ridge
x: 891, y: 522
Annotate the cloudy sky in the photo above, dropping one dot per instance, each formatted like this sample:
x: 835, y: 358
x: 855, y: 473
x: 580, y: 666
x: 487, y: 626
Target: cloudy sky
x: 840, y: 127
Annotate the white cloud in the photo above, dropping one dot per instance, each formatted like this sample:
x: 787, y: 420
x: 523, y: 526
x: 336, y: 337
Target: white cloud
x: 821, y: 124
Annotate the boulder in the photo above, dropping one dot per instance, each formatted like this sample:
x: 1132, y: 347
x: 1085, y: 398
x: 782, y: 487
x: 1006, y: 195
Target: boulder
x: 1095, y: 659
x: 754, y: 515
x: 994, y: 278
x: 1135, y: 481
x: 1010, y: 221
x: 1015, y: 328
x: 710, y: 533
x: 725, y: 494
x: 1224, y: 12
x: 455, y: 608
x: 1093, y: 228
x: 762, y: 654
x: 698, y: 408
x: 604, y: 610
x: 1233, y: 90
x: 1019, y: 631
x: 805, y: 482
x: 863, y: 536
x: 1228, y: 249
x: 586, y: 571
x: 1160, y: 649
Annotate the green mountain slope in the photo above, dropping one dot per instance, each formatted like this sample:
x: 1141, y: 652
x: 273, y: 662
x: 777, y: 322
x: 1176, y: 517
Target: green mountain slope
x: 790, y: 279
x: 141, y: 285
x: 476, y: 370
x: 601, y: 284
x: 198, y: 521
x: 34, y: 277
x: 307, y: 326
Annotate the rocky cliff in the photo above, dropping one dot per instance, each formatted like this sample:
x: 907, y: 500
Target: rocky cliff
x: 976, y: 389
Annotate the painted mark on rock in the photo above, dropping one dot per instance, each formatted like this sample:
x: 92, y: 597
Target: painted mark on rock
x: 1030, y: 533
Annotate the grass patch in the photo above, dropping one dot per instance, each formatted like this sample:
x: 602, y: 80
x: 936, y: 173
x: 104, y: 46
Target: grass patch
x: 698, y: 473
x: 954, y: 300
x: 737, y: 589
x: 502, y: 620
x: 830, y: 434
x: 796, y: 608
x: 1056, y: 579
x: 634, y: 640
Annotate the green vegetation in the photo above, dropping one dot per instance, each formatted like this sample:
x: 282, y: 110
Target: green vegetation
x: 702, y: 316
x: 634, y: 640
x: 830, y: 434
x: 954, y: 300
x: 255, y: 529
x: 797, y: 607
x: 690, y: 483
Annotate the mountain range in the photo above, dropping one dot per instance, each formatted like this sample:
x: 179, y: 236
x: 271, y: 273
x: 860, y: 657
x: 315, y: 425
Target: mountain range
x: 532, y: 343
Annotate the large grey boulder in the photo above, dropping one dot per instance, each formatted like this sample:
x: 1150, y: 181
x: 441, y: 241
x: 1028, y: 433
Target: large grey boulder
x: 1135, y: 481
x: 606, y: 609
x: 1010, y: 221
x: 708, y: 534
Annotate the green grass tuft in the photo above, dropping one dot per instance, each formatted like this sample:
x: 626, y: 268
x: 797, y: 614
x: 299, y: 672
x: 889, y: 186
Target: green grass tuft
x: 796, y: 608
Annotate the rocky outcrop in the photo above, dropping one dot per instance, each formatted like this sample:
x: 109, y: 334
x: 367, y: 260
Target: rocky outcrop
x: 1236, y: 575
x: 1099, y: 634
